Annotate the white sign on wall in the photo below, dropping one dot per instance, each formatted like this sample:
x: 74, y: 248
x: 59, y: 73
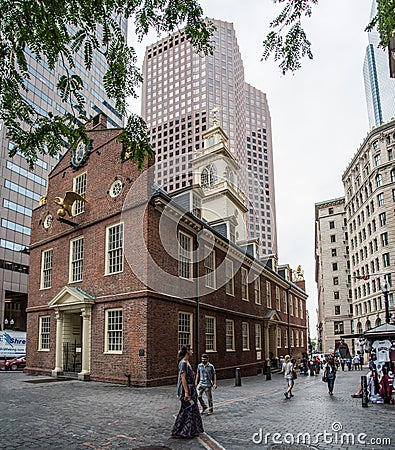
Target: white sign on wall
x: 12, y: 343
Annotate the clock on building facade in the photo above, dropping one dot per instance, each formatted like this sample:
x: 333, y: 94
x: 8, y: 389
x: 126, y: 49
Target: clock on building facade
x: 80, y: 154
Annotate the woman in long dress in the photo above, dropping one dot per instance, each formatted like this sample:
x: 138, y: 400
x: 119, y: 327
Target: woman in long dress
x: 188, y: 423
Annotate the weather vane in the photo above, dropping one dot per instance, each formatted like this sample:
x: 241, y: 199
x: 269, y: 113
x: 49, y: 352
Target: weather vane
x: 299, y: 274
x: 215, y: 110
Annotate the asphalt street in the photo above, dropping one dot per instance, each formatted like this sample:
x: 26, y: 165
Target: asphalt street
x: 38, y: 413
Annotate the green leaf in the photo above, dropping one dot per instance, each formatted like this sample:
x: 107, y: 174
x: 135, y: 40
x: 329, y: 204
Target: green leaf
x: 45, y: 30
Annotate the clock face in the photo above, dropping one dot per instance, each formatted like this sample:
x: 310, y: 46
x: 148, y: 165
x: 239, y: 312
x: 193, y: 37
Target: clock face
x: 48, y: 221
x: 80, y: 154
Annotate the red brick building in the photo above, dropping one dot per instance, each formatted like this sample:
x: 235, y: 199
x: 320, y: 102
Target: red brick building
x: 117, y: 287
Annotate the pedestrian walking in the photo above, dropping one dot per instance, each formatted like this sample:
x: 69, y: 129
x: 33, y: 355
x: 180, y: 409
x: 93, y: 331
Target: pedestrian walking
x: 188, y: 422
x: 330, y: 374
x: 355, y: 362
x: 206, y: 379
x: 287, y: 370
x: 361, y: 361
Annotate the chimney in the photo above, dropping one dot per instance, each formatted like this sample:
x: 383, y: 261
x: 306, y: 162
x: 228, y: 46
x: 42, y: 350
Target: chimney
x: 97, y: 122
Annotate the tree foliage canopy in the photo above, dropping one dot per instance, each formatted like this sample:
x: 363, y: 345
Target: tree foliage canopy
x: 54, y: 32
x: 289, y: 44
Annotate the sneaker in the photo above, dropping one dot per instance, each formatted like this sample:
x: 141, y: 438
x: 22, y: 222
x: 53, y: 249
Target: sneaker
x: 202, y: 411
x: 291, y: 395
x: 286, y: 394
x: 210, y: 412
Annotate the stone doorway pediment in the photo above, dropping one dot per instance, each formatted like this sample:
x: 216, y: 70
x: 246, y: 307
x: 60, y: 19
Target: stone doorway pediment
x: 70, y: 298
x: 271, y: 316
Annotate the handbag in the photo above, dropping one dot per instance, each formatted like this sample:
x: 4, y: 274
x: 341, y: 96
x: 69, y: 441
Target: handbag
x: 294, y: 374
x: 325, y: 379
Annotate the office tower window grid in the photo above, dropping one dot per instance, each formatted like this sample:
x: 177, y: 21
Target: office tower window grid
x: 20, y: 188
x: 180, y: 90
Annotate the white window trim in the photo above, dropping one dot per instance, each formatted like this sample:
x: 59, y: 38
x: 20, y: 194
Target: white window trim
x: 279, y: 338
x: 286, y: 339
x: 106, y: 341
x: 257, y: 291
x: 278, y: 299
x: 212, y: 274
x: 233, y: 335
x: 107, y: 260
x: 229, y: 270
x: 268, y: 294
x: 258, y: 336
x: 189, y: 259
x: 190, y: 325
x: 79, y: 202
x: 285, y: 301
x: 71, y: 260
x: 245, y: 326
x: 214, y: 349
x: 42, y: 268
x: 40, y: 342
x: 244, y: 282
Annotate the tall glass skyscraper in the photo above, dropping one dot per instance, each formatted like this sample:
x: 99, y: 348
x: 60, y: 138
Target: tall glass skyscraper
x: 379, y: 87
x: 21, y: 189
x: 180, y: 90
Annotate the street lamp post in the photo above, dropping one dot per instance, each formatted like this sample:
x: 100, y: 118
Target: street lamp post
x: 385, y: 290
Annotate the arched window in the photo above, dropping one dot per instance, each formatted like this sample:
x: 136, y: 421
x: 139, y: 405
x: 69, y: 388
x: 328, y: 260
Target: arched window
x: 368, y: 325
x: 359, y: 328
x: 209, y: 176
x: 378, y: 322
x: 230, y: 175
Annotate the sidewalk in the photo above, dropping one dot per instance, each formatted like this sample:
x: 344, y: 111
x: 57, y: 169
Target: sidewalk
x: 72, y: 415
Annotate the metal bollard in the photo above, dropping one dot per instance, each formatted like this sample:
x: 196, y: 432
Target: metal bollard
x: 268, y: 370
x: 364, y: 384
x: 237, y: 377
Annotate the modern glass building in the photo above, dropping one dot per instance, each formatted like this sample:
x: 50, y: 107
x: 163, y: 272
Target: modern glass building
x: 21, y: 189
x: 379, y: 86
x: 180, y: 91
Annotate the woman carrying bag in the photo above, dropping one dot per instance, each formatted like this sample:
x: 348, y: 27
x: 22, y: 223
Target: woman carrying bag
x: 330, y: 374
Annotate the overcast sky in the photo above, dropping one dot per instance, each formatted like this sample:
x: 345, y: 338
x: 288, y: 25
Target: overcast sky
x: 319, y: 115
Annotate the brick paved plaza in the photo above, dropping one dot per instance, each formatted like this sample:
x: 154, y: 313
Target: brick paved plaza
x: 73, y: 415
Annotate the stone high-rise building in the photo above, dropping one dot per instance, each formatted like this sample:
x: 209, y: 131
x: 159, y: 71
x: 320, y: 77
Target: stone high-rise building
x: 21, y: 189
x: 181, y: 88
x: 369, y: 184
x: 332, y: 274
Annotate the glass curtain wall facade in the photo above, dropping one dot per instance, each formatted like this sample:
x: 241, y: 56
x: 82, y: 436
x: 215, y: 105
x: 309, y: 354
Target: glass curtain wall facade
x: 379, y: 86
x: 21, y: 189
x: 180, y: 90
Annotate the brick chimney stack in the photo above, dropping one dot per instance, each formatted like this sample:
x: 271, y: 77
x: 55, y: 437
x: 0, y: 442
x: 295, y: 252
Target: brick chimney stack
x: 98, y: 122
